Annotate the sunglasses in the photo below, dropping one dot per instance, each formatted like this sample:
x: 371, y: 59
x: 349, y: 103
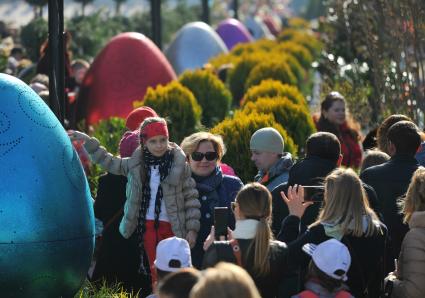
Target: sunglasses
x: 233, y: 206
x: 210, y: 156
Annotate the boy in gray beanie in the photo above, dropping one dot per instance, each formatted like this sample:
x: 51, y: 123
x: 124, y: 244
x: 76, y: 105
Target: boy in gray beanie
x: 272, y: 162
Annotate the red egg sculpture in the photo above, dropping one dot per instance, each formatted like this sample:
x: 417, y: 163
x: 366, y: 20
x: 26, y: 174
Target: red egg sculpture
x: 121, y: 74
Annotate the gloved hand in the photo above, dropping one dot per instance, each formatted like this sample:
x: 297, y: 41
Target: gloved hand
x: 76, y: 135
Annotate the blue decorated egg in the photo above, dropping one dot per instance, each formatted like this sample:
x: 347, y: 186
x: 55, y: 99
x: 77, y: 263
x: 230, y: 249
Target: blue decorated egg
x: 193, y: 46
x: 46, y: 211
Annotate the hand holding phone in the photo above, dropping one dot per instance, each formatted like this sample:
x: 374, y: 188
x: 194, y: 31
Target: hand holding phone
x: 221, y: 217
x: 313, y: 193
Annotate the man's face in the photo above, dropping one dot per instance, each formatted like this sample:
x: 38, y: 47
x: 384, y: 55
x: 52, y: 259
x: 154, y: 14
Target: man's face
x: 264, y: 160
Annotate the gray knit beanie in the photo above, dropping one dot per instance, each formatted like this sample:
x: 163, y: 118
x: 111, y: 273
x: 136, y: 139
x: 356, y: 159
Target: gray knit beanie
x: 267, y: 139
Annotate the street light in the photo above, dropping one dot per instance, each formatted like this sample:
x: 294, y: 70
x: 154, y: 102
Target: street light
x: 56, y: 59
x: 156, y: 22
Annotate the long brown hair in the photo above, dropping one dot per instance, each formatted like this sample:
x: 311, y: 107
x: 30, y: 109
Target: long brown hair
x: 324, y: 124
x: 345, y: 203
x: 145, y: 123
x: 415, y: 196
x: 255, y: 202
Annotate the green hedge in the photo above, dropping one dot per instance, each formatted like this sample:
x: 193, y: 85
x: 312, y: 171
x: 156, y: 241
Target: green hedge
x: 295, y: 118
x: 176, y: 103
x: 271, y: 69
x: 272, y: 88
x: 213, y: 96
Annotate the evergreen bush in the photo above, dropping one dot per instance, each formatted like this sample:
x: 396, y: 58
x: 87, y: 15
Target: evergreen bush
x: 237, y: 132
x: 213, y: 96
x: 300, y: 52
x: 176, y: 103
x: 32, y: 37
x: 272, y: 88
x: 295, y: 118
x: 270, y: 69
x: 239, y: 74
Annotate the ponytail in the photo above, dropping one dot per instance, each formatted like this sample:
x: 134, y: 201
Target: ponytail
x: 255, y: 202
x: 261, y: 246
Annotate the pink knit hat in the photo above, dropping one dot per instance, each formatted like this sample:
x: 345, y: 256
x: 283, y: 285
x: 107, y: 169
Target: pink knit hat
x: 129, y: 142
x: 136, y: 117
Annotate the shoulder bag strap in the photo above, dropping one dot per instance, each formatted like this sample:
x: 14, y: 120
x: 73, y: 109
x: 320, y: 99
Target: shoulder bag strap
x: 236, y: 251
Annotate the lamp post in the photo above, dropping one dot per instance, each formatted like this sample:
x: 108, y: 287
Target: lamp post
x: 56, y: 59
x: 235, y: 9
x: 205, y: 11
x: 156, y: 22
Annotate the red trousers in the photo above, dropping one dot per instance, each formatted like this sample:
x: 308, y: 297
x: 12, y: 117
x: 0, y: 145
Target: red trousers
x: 151, y: 239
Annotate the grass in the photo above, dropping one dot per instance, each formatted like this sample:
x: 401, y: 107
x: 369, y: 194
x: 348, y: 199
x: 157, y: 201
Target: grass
x: 103, y: 290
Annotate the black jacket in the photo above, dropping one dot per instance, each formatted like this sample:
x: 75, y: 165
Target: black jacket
x: 118, y: 259
x: 267, y: 285
x: 390, y: 181
x: 309, y: 171
x: 368, y: 255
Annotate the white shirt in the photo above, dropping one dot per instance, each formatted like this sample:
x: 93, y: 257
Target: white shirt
x: 154, y: 184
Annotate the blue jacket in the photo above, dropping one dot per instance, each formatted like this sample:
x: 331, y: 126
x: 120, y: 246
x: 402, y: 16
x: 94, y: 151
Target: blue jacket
x: 226, y: 188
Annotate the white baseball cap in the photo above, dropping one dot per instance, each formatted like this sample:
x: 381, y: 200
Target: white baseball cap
x: 331, y: 256
x: 172, y: 254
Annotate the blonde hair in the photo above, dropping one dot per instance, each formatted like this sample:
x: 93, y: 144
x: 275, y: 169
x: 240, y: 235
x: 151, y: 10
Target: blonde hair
x: 145, y: 123
x: 225, y: 280
x: 415, y: 196
x: 255, y: 202
x: 191, y: 143
x: 345, y: 203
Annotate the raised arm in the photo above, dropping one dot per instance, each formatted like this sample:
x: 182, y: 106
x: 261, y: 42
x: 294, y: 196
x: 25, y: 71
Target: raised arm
x: 99, y: 154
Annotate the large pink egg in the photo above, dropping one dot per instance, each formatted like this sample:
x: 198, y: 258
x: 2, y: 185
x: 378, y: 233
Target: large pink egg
x: 121, y: 74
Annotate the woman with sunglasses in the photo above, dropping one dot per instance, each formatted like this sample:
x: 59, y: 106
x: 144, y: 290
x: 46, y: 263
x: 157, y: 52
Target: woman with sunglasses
x: 204, y: 152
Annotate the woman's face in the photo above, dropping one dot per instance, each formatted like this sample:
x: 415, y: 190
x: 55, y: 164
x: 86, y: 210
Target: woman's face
x: 157, y: 145
x: 203, y: 167
x: 336, y: 113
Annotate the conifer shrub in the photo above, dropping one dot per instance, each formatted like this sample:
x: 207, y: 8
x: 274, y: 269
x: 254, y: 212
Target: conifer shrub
x: 239, y: 74
x: 294, y: 118
x: 177, y: 104
x: 212, y: 95
x: 270, y: 69
x: 302, y: 37
x: 272, y: 88
x: 237, y: 132
x: 302, y: 54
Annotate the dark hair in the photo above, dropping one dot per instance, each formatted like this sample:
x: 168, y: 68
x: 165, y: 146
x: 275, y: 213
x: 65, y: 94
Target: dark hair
x: 405, y: 137
x: 161, y: 274
x: 324, y: 124
x: 17, y: 50
x: 382, y: 133
x: 324, y: 145
x: 370, y: 141
x: 373, y: 158
x: 179, y: 284
x: 329, y: 283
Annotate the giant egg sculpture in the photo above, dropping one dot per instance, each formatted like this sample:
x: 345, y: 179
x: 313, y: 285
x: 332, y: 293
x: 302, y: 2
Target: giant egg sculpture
x: 193, y: 46
x: 120, y: 75
x: 233, y: 32
x: 46, y: 213
x: 257, y: 28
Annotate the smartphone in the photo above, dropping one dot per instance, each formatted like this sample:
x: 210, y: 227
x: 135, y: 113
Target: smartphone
x: 313, y: 193
x: 221, y: 218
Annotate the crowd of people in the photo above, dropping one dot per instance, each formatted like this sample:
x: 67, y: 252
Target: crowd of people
x: 326, y: 225
x: 342, y: 221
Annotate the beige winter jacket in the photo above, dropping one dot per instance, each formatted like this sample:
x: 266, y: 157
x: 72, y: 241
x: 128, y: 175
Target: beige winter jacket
x: 411, y: 263
x: 179, y: 189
